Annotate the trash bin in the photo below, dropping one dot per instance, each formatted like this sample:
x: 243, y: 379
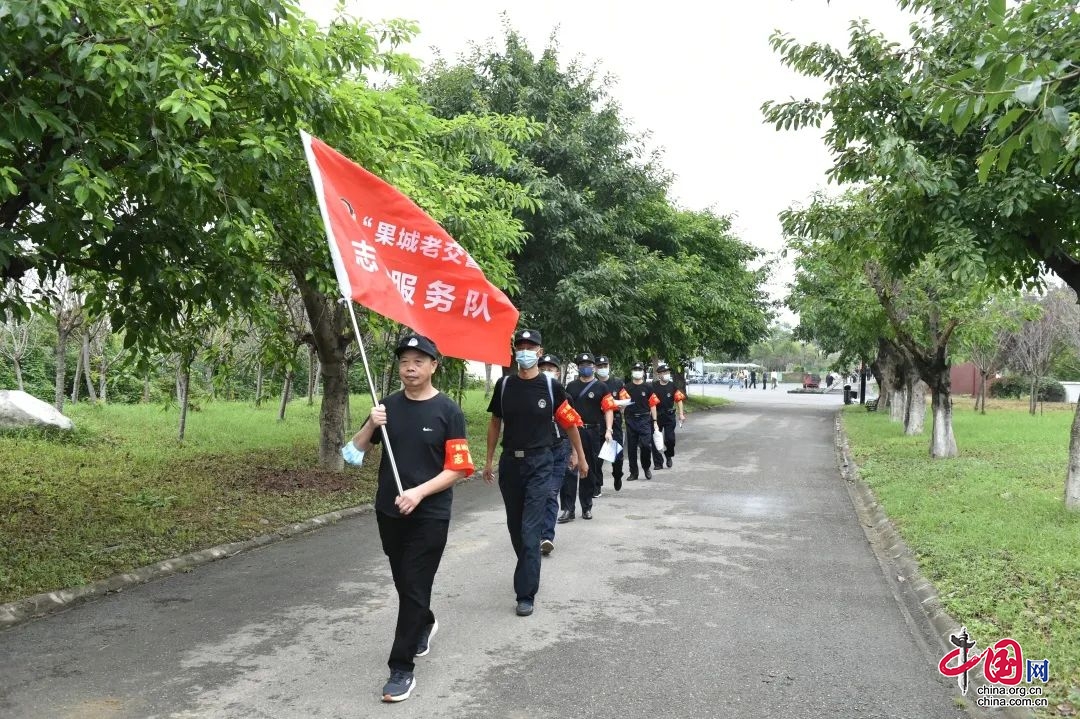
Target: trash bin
x: 847, y: 394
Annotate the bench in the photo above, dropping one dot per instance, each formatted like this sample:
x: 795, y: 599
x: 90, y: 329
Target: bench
x: 871, y: 404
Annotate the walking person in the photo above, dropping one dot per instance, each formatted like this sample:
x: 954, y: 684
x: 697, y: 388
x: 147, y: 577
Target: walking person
x: 563, y: 460
x: 594, y: 403
x: 525, y: 408
x: 640, y: 421
x: 670, y: 401
x: 775, y: 376
x: 615, y: 386
x: 413, y: 525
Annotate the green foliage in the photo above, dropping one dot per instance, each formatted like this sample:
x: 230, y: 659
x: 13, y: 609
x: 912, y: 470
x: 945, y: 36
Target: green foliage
x: 626, y: 273
x: 1013, y: 386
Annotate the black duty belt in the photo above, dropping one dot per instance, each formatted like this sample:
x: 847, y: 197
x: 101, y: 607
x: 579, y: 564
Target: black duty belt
x: 520, y: 453
x: 640, y: 414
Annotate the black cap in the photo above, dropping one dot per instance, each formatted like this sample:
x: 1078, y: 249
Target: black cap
x: 602, y: 359
x: 549, y: 359
x: 663, y: 367
x: 419, y: 343
x: 528, y: 336
x: 584, y: 357
x: 638, y: 365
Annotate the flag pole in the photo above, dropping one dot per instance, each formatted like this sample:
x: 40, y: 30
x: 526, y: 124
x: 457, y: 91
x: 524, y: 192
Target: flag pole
x: 374, y: 398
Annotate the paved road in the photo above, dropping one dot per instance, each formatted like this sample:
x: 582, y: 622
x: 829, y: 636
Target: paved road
x: 738, y: 584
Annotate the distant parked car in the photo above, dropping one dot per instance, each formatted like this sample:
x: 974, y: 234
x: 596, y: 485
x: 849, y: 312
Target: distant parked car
x: 811, y: 381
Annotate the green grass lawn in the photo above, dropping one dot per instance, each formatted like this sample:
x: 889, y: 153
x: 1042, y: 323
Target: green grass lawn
x: 121, y: 492
x: 989, y: 528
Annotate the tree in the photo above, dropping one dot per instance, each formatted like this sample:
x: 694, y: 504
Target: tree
x: 984, y: 340
x: 1043, y: 336
x: 15, y: 343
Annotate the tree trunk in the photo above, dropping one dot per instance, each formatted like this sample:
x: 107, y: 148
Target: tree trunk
x: 942, y: 441
x: 980, y: 401
x: 487, y: 380
x: 146, y: 388
x: 1072, y: 477
x: 915, y: 412
x: 18, y: 375
x: 318, y: 375
x: 86, y: 368
x: 1034, y: 397
x: 328, y: 321
x: 103, y: 382
x: 183, y: 383
x: 78, y: 379
x: 898, y: 405
x: 285, y: 392
x: 259, y: 384
x: 312, y: 362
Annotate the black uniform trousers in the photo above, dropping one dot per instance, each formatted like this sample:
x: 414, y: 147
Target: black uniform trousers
x: 639, y: 441
x: 592, y: 438
x: 665, y: 418
x: 414, y: 546
x: 524, y: 482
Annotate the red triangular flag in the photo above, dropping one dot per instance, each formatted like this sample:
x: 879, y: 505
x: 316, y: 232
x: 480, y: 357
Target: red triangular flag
x: 392, y: 258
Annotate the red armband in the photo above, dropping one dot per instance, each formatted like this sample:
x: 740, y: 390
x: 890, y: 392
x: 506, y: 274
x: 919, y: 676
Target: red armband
x: 457, y: 456
x: 567, y: 416
x: 623, y: 394
x: 679, y: 396
x: 653, y: 400
x: 608, y: 402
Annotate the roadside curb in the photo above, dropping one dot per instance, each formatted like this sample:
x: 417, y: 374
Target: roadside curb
x: 909, y: 585
x: 40, y: 605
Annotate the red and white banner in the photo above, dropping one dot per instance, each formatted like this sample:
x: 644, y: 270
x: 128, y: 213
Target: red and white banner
x: 392, y: 258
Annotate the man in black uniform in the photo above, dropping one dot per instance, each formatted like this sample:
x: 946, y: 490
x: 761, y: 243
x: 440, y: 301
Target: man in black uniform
x: 639, y: 412
x: 594, y: 404
x: 615, y: 385
x: 564, y: 461
x: 670, y: 399
x: 428, y: 429
x: 525, y: 407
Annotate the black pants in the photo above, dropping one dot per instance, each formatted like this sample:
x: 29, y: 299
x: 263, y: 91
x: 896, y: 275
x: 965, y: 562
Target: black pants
x: 667, y: 426
x: 639, y: 442
x: 524, y: 483
x: 591, y: 440
x: 617, y: 465
x: 414, y: 546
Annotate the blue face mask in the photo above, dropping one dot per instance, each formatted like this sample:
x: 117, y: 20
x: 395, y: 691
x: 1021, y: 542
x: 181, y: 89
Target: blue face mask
x: 526, y: 359
x: 585, y: 371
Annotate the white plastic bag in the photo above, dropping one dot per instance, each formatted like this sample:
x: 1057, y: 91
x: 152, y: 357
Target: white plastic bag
x: 610, y: 450
x: 658, y: 440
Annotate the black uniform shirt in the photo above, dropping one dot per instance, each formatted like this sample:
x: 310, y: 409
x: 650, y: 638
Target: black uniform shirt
x: 419, y: 432
x: 527, y: 411
x: 640, y: 394
x: 587, y: 402
x: 666, y: 394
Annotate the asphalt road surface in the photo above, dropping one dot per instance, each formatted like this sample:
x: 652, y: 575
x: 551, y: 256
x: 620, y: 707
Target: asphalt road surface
x: 737, y: 584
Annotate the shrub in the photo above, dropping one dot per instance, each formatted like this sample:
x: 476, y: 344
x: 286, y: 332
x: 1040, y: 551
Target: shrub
x: 1018, y: 387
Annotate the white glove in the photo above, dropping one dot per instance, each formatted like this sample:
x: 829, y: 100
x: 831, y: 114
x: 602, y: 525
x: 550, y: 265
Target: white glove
x: 351, y: 454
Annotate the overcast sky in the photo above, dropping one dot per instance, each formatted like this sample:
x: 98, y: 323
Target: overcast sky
x: 691, y: 74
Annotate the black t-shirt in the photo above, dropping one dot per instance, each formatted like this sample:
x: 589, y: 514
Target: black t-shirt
x: 639, y: 393
x: 419, y: 431
x: 666, y: 394
x: 587, y: 402
x: 527, y: 411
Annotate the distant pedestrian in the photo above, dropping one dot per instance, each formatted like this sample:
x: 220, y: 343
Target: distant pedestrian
x: 564, y: 459
x: 525, y: 407
x: 615, y: 385
x: 670, y: 401
x: 775, y: 378
x: 639, y: 428
x: 429, y: 430
x: 594, y: 404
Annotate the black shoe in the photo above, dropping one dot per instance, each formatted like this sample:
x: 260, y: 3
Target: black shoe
x: 669, y: 462
x: 598, y: 493
x: 587, y: 514
x: 632, y: 478
x: 399, y: 686
x: 565, y: 516
x: 524, y: 608
x: 424, y: 645
x: 546, y: 546
x: 648, y: 474
x: 618, y: 483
